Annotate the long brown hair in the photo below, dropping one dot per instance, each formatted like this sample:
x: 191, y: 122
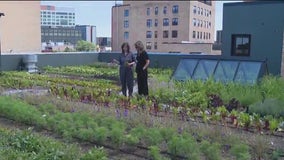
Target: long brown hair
x: 127, y: 45
x: 139, y: 46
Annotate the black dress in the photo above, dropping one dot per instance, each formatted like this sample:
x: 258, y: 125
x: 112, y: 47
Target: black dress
x: 142, y: 75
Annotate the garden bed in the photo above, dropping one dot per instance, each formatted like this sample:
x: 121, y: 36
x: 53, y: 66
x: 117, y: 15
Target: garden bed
x: 201, y: 115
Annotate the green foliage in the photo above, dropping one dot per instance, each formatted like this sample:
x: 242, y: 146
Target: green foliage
x: 240, y: 151
x: 154, y: 152
x: 85, y: 46
x: 117, y: 133
x: 26, y: 145
x: 272, y: 107
x: 95, y: 154
x: 101, y: 134
x: 152, y: 136
x: 211, y: 150
x: 184, y: 145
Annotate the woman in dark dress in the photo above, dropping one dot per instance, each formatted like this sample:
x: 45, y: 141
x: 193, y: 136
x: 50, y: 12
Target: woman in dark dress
x: 126, y: 61
x: 141, y: 68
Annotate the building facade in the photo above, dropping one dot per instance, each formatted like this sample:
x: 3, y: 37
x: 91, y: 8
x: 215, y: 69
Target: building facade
x: 89, y: 33
x: 260, y: 35
x: 57, y: 16
x: 157, y: 23
x: 104, y: 43
x: 20, y: 27
x: 67, y: 35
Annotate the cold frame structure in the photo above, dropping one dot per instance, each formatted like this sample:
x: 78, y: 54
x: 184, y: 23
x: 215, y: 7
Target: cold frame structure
x: 224, y: 70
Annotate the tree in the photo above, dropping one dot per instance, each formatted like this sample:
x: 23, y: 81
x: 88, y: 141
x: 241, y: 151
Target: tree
x: 85, y: 46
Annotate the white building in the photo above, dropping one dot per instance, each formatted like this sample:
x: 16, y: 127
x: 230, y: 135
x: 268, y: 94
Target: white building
x: 57, y: 16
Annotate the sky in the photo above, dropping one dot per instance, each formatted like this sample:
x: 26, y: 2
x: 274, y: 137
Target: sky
x: 98, y: 13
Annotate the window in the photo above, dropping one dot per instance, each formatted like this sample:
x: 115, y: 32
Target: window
x: 209, y: 13
x: 241, y: 44
x: 155, y: 45
x: 203, y: 35
x: 209, y: 36
x: 149, y: 23
x: 200, y: 35
x: 156, y: 10
x: 156, y: 34
x: 126, y: 24
x: 197, y: 22
x: 165, y: 10
x: 193, y: 34
x: 148, y: 45
x: 175, y: 22
x: 156, y: 22
x: 201, y: 23
x: 126, y: 35
x: 148, y: 11
x: 197, y: 35
x: 165, y: 34
x: 149, y: 34
x: 198, y: 10
x: 175, y: 9
x: 126, y: 13
x: 174, y: 34
x: 201, y: 11
x: 194, y: 9
x: 165, y: 21
x: 194, y: 21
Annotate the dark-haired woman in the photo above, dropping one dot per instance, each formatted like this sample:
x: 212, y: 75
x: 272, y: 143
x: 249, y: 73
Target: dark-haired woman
x: 126, y: 61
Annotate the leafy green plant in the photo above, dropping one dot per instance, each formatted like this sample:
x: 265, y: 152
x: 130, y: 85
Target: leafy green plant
x: 101, y: 134
x: 272, y: 107
x: 152, y: 136
x: 273, y: 125
x: 211, y: 151
x: 184, y: 145
x: 154, y: 152
x: 95, y: 154
x: 245, y: 120
x: 240, y: 151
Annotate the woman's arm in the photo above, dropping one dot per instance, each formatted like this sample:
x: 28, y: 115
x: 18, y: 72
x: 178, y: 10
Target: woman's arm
x: 147, y: 64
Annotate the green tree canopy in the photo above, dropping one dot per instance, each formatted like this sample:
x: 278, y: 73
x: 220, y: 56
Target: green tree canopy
x: 85, y: 46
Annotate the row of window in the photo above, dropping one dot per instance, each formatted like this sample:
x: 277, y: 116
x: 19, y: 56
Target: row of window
x: 201, y: 11
x: 58, y: 13
x: 165, y: 34
x: 166, y: 22
x: 61, y: 34
x: 52, y: 23
x: 149, y: 45
x: 201, y: 35
x: 201, y: 23
x: 44, y: 16
x: 175, y: 10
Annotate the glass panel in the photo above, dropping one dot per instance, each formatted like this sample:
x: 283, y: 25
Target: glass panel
x: 225, y: 71
x: 248, y: 72
x: 185, y: 69
x: 204, y: 69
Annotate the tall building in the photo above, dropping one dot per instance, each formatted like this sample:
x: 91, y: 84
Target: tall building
x: 20, y: 27
x: 219, y: 37
x: 164, y: 26
x: 57, y: 16
x: 66, y: 35
x: 104, y: 43
x: 89, y: 33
